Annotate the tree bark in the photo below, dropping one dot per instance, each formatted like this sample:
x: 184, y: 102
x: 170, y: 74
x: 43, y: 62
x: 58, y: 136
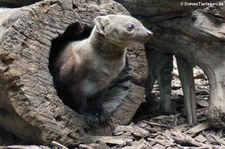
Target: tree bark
x: 195, y: 34
x: 29, y: 101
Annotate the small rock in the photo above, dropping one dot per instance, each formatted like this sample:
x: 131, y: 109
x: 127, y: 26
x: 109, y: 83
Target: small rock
x: 202, y: 103
x: 158, y: 146
x: 198, y: 73
x: 200, y: 138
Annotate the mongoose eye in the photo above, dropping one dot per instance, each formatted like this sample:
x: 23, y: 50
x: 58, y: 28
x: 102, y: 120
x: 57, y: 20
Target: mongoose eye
x: 130, y: 27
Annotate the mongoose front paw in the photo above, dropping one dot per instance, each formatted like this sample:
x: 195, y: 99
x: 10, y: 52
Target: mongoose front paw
x: 100, y: 117
x: 103, y: 117
x: 92, y: 120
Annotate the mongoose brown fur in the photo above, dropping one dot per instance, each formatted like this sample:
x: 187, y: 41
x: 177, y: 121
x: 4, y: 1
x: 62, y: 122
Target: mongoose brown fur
x: 85, y: 68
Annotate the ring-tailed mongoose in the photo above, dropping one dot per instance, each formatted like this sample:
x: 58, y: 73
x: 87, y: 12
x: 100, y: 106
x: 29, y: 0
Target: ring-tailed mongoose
x: 85, y: 68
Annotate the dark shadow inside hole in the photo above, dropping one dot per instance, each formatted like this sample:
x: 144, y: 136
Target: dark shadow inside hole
x: 75, y: 6
x: 16, y: 4
x: 74, y: 32
x: 8, y: 5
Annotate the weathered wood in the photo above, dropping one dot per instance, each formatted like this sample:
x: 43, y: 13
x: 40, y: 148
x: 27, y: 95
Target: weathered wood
x: 26, y: 87
x: 186, y: 76
x: 206, y: 50
x: 160, y: 67
x: 197, y: 35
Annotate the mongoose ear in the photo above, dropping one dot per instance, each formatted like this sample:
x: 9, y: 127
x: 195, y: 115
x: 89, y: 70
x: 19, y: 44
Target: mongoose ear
x: 101, y: 22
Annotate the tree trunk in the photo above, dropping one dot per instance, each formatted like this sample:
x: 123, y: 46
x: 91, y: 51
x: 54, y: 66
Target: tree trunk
x: 185, y: 69
x: 30, y: 107
x: 195, y: 34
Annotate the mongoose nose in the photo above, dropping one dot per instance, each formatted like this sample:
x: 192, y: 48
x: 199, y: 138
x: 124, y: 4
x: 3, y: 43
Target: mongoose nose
x: 149, y: 33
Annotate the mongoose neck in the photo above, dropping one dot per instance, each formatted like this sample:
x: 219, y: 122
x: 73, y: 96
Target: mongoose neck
x: 105, y: 47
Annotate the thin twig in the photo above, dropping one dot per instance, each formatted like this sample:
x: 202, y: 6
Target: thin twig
x: 59, y: 145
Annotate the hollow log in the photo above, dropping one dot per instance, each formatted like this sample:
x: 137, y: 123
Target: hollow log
x: 195, y: 33
x: 29, y: 105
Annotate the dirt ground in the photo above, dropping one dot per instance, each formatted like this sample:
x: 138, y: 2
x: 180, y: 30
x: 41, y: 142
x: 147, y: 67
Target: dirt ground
x: 157, y: 132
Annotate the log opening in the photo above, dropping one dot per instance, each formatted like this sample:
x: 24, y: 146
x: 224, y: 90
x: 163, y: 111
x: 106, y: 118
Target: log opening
x: 74, y: 32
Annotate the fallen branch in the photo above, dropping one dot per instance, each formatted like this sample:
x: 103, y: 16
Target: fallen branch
x: 119, y: 140
x: 198, y: 128
x: 158, y: 124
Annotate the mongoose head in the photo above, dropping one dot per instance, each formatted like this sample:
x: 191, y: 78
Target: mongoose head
x: 122, y: 30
